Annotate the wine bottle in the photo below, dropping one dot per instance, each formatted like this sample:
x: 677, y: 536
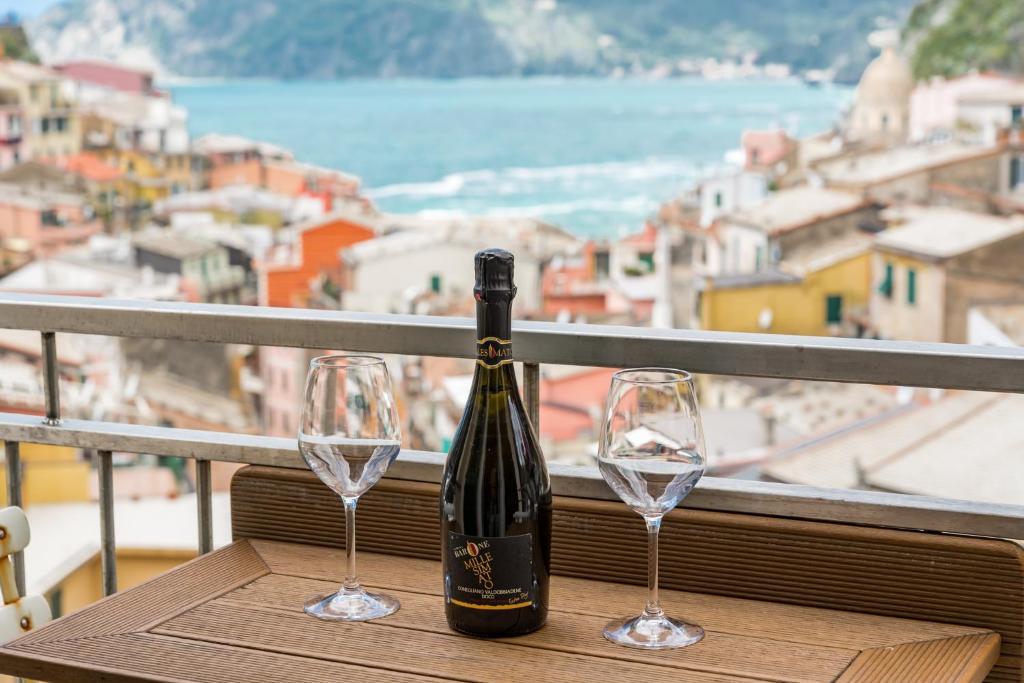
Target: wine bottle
x: 495, y: 492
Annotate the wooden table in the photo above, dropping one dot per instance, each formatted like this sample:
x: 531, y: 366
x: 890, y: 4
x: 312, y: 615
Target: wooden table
x: 236, y: 615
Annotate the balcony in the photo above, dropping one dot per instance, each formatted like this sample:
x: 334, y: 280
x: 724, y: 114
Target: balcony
x: 762, y: 518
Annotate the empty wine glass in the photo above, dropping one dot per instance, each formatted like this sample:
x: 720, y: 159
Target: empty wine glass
x: 651, y: 453
x: 348, y: 436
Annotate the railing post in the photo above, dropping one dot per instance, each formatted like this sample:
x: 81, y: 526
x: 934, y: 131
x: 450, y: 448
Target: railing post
x: 531, y: 393
x: 204, y: 501
x: 108, y: 551
x: 12, y: 451
x: 51, y: 378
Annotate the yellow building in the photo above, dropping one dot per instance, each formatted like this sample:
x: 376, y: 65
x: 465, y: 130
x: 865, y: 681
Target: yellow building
x: 145, y: 180
x: 50, y: 474
x: 819, y: 294
x: 51, y: 123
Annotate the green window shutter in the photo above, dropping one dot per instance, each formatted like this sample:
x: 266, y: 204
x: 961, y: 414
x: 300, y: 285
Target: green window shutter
x: 834, y: 309
x: 647, y: 258
x: 911, y: 286
x: 886, y: 287
x: 435, y: 284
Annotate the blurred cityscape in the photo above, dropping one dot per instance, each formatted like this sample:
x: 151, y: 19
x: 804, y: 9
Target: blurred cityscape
x: 905, y: 221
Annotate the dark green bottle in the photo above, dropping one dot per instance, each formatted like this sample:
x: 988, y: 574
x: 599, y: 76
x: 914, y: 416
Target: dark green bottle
x: 495, y: 493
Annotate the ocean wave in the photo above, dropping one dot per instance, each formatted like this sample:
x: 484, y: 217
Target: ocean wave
x: 518, y: 179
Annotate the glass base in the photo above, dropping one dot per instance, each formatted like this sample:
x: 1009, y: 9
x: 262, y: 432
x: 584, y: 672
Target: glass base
x: 351, y: 605
x: 652, y: 633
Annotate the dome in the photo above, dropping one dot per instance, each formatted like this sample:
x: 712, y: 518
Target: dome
x: 887, y: 81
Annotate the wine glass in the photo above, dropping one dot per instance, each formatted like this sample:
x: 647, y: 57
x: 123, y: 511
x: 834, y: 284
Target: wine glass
x: 348, y: 436
x: 651, y: 453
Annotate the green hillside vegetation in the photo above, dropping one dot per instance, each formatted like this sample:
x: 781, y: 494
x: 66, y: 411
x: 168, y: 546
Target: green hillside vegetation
x: 954, y: 37
x: 15, y: 43
x: 457, y: 38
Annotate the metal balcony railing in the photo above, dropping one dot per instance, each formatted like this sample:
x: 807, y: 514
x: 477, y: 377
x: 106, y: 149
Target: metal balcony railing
x: 948, y: 366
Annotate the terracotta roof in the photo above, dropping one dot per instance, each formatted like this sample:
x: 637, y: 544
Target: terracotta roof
x: 92, y: 167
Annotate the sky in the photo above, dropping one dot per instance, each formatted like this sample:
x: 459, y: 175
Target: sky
x: 25, y: 8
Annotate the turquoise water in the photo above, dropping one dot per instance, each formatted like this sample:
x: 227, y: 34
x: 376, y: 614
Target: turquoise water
x: 594, y: 156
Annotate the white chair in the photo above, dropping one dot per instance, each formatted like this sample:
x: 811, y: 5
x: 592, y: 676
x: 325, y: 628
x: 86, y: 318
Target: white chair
x: 19, y: 615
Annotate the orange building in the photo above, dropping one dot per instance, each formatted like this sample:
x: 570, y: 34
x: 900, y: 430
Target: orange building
x: 571, y: 401
x: 288, y: 276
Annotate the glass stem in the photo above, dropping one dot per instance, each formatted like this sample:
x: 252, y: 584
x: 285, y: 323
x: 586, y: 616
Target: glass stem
x: 653, y: 608
x: 351, y: 580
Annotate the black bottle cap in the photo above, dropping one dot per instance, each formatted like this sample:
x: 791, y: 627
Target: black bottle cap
x: 494, y: 269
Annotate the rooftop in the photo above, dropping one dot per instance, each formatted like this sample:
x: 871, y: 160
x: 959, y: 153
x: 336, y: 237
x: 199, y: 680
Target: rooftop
x: 793, y: 208
x: 172, y: 244
x: 762, y: 277
x: 104, y: 268
x: 26, y: 72
x: 1002, y: 94
x: 868, y: 168
x: 943, y: 232
x: 36, y: 198
x: 920, y: 450
x: 416, y: 232
x: 817, y: 254
x: 216, y: 143
x: 1008, y: 317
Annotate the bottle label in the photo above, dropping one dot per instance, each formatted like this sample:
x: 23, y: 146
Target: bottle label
x: 492, y: 352
x: 490, y: 573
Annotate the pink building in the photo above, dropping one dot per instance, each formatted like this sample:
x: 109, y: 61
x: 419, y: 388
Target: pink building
x: 11, y: 123
x: 933, y: 104
x: 110, y: 76
x: 42, y: 223
x: 763, y: 149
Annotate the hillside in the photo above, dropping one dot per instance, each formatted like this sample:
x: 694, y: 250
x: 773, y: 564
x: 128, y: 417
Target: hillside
x: 455, y: 38
x: 952, y: 37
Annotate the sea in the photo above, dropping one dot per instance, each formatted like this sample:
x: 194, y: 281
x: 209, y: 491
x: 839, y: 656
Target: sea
x: 593, y: 156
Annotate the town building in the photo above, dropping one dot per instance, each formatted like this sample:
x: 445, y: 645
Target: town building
x: 50, y: 122
x: 987, y: 113
x: 769, y: 152
x: 12, y: 128
x: 881, y: 108
x: 204, y: 268
x: 229, y: 160
x: 40, y: 222
x: 935, y: 104
x: 424, y: 260
x: 243, y: 204
x: 909, y: 173
x: 820, y: 289
x: 759, y: 237
x: 305, y: 273
x: 103, y: 268
x: 935, y: 263
x: 89, y: 78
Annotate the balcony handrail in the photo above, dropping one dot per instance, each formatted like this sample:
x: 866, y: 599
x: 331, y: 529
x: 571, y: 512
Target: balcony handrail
x: 712, y: 493
x: 950, y: 366
x: 867, y: 361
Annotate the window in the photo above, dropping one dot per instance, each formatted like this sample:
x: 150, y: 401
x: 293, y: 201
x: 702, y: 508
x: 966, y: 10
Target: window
x: 885, y: 122
x: 885, y: 289
x: 62, y: 123
x: 718, y: 200
x: 435, y: 284
x: 834, y: 309
x: 602, y: 264
x: 911, y: 286
x: 759, y: 258
x: 1016, y: 171
x: 754, y: 154
x: 647, y: 259
x: 1016, y: 115
x: 44, y: 125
